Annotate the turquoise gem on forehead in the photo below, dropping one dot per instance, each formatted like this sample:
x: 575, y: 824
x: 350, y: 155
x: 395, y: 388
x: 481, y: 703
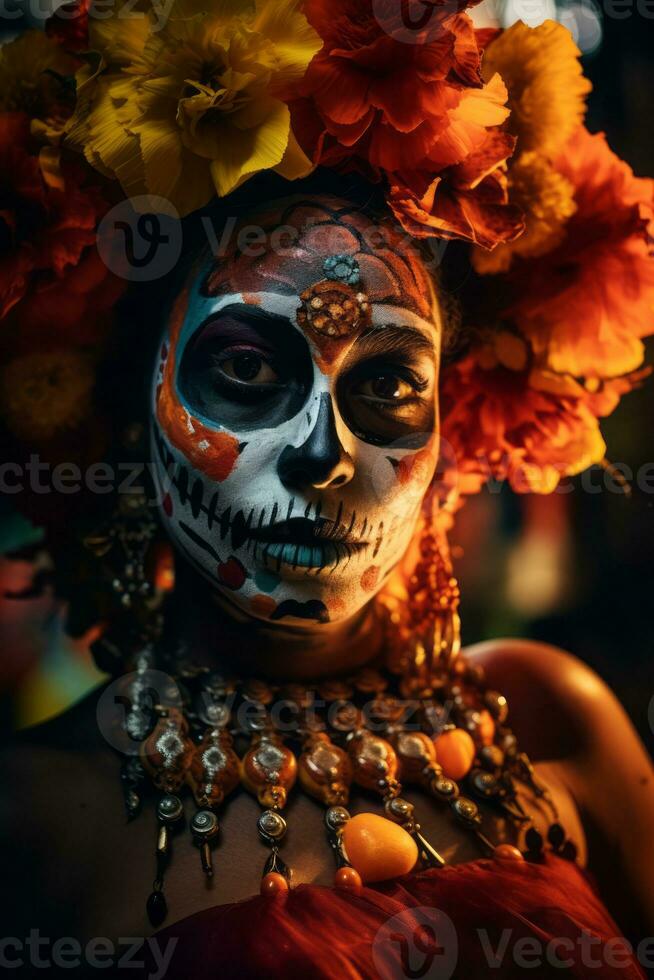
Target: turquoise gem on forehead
x: 343, y: 268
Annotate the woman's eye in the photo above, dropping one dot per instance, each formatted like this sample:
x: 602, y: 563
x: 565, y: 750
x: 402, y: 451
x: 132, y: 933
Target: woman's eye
x: 386, y: 387
x: 248, y: 368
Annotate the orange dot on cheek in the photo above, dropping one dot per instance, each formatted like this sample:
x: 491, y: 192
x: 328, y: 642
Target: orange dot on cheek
x: 263, y: 605
x: 370, y: 578
x: 337, y: 606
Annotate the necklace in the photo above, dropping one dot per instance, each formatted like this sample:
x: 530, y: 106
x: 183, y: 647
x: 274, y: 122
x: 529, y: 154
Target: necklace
x: 420, y: 715
x: 447, y: 733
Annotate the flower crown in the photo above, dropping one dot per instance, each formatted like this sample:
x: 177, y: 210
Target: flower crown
x: 474, y: 135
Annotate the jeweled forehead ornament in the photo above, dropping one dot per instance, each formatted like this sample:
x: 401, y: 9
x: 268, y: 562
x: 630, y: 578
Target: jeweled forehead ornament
x: 334, y: 307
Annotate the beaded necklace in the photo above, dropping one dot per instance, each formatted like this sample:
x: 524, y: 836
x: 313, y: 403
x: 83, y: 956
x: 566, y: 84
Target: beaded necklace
x: 376, y: 730
x: 419, y: 715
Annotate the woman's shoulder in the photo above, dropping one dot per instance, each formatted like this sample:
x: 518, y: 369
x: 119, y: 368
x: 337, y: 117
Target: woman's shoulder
x: 562, y: 711
x: 559, y: 704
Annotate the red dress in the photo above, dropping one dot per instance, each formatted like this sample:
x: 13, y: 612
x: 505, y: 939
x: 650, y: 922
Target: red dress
x: 482, y: 918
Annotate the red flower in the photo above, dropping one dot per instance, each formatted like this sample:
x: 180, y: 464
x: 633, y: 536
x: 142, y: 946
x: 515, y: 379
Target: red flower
x: 468, y: 201
x: 44, y: 230
x: 586, y: 305
x: 417, y: 114
x: 69, y: 25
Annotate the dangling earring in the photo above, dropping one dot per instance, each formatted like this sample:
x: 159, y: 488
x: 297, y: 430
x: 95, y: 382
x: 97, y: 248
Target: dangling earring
x: 127, y: 571
x: 434, y: 600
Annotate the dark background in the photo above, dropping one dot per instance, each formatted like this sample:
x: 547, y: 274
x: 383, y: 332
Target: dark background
x: 575, y: 569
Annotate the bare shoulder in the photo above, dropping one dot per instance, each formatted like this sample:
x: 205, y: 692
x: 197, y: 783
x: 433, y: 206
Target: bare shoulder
x: 557, y: 702
x: 561, y: 710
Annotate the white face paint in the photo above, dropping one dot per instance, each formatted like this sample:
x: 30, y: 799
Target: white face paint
x: 284, y: 477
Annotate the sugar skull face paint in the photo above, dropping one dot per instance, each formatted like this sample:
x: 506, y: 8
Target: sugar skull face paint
x: 294, y: 414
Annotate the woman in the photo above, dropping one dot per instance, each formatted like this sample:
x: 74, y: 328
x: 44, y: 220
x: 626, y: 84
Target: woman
x: 300, y: 669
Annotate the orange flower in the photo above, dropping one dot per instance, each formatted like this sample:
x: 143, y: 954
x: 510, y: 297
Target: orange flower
x: 416, y: 114
x: 586, y: 304
x: 469, y: 201
x: 522, y: 426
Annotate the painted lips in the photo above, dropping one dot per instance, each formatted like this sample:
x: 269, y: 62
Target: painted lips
x: 304, y: 543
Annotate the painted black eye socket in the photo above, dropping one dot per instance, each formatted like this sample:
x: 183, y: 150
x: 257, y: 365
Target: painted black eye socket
x: 246, y: 369
x: 383, y: 403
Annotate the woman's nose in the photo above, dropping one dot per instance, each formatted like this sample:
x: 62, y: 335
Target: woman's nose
x: 321, y: 461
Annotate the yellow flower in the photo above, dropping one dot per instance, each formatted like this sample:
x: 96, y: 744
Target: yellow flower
x: 197, y: 107
x: 36, y: 78
x: 546, y: 198
x: 46, y: 394
x: 547, y: 89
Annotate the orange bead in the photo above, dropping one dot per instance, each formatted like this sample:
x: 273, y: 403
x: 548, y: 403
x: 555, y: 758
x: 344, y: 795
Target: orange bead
x: 273, y: 884
x: 455, y: 752
x: 348, y: 879
x: 378, y: 848
x: 486, y: 727
x: 507, y: 852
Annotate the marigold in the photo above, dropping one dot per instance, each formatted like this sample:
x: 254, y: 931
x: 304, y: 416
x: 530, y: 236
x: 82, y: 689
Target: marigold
x: 547, y: 199
x: 45, y: 394
x: 468, y: 201
x: 547, y: 89
x: 417, y: 115
x: 546, y: 95
x: 586, y: 304
x: 197, y: 107
x: 511, y: 425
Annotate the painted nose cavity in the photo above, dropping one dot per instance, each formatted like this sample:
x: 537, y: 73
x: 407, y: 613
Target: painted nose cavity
x: 321, y: 461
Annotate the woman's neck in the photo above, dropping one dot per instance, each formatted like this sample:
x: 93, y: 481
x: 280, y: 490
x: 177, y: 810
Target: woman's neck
x: 218, y: 633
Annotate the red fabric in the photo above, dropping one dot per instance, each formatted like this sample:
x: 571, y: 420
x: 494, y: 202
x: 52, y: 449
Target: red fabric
x: 389, y: 931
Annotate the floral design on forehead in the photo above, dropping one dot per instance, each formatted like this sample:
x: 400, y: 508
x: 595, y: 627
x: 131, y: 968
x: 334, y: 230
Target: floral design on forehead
x: 313, y: 233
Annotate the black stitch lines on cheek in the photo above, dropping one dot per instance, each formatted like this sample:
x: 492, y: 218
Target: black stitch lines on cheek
x: 240, y: 527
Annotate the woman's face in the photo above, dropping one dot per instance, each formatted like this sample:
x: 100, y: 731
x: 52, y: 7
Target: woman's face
x: 294, y: 411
